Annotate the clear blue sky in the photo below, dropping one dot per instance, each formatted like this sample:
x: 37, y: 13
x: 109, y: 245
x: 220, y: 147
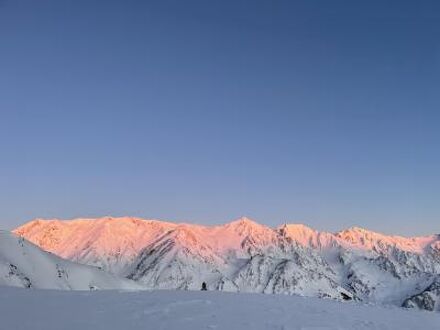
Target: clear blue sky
x: 320, y: 112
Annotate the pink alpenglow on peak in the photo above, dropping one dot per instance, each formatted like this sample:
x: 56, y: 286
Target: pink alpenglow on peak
x: 110, y: 243
x: 124, y: 237
x: 368, y: 240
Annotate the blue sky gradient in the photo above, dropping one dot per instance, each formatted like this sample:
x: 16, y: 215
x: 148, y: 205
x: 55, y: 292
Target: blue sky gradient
x: 320, y: 112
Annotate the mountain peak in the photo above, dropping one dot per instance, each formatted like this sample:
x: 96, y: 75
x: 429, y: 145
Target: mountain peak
x: 358, y: 229
x: 245, y: 224
x: 296, y: 228
x: 358, y: 232
x: 245, y: 220
x: 307, y: 236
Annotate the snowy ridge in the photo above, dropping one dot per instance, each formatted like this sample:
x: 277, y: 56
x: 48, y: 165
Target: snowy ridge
x: 23, y: 264
x: 246, y: 256
x: 110, y: 243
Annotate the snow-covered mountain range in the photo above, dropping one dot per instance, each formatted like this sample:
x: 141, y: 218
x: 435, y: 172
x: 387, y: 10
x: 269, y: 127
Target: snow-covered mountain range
x: 246, y: 256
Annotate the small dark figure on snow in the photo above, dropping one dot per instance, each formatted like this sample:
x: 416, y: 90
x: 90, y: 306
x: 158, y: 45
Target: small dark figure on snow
x: 204, y: 288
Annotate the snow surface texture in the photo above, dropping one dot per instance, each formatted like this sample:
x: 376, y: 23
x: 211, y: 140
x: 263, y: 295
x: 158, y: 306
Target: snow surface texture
x: 22, y: 264
x: 249, y: 257
x: 193, y: 310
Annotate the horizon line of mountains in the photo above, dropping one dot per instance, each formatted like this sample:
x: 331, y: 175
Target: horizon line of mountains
x: 244, y: 256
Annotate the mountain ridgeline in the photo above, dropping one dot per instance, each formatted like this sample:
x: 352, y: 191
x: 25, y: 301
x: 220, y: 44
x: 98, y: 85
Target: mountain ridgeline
x: 22, y: 264
x: 244, y: 256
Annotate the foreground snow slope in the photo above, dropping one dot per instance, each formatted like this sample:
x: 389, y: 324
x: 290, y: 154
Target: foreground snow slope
x: 193, y: 310
x: 22, y: 264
